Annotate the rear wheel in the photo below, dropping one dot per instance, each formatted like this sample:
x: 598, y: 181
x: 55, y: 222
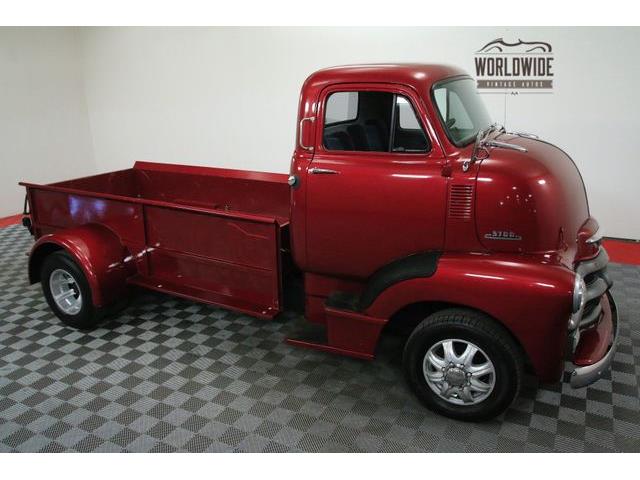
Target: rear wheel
x: 67, y: 291
x: 464, y: 365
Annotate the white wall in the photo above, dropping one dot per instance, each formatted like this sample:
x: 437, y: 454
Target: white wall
x: 228, y: 96
x: 44, y: 128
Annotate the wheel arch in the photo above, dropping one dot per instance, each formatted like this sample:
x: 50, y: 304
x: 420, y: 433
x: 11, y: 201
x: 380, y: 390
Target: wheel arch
x: 38, y: 253
x: 96, y: 249
x: 528, y: 297
x: 408, y: 317
x: 418, y: 265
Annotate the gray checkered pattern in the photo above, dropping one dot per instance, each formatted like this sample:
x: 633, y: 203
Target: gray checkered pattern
x: 172, y: 375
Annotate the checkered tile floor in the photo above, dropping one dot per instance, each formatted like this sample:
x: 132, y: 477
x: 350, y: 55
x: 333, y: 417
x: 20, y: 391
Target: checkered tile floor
x: 172, y: 375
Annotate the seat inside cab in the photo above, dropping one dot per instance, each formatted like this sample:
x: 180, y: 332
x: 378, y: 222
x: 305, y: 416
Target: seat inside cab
x: 372, y: 122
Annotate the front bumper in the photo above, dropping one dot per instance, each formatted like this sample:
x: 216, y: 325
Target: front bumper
x: 604, y: 337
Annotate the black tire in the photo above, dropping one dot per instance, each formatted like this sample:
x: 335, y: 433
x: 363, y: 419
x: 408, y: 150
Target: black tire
x: 88, y: 315
x: 495, y: 343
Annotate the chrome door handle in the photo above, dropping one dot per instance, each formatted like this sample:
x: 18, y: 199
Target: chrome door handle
x: 323, y: 171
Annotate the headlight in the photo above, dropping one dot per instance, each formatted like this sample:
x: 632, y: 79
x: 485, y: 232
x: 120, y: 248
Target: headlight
x: 579, y: 299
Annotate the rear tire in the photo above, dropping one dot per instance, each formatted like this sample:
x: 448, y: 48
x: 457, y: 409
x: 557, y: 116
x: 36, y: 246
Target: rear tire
x: 464, y: 365
x: 67, y: 291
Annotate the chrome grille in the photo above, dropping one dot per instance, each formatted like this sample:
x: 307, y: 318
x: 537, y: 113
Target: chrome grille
x: 594, y: 273
x: 594, y: 264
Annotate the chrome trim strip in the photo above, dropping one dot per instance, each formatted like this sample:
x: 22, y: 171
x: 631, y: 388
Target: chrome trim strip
x: 596, y: 237
x: 323, y: 171
x: 524, y: 135
x: 583, y: 376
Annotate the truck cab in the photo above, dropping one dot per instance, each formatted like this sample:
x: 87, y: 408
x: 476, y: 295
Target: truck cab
x: 408, y: 201
x: 405, y: 206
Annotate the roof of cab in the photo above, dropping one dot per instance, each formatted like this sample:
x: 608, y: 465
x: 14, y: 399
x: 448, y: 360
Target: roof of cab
x: 417, y: 75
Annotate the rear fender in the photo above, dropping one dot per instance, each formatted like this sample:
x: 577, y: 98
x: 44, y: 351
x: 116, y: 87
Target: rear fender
x: 530, y: 298
x: 99, y: 253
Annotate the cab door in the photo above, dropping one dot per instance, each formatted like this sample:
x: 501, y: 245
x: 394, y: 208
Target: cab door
x: 375, y: 187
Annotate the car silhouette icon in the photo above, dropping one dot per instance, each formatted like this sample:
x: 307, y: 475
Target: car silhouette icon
x: 499, y: 45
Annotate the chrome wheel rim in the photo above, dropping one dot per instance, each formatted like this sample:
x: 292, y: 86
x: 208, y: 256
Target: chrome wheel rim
x: 65, y: 292
x: 459, y: 372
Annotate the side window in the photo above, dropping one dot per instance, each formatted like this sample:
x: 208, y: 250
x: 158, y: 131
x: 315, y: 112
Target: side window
x: 408, y: 134
x: 371, y: 122
x: 341, y: 107
x: 406, y: 116
x: 358, y: 121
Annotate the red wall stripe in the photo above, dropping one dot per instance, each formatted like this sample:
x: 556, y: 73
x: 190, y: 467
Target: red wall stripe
x: 623, y: 251
x: 12, y: 220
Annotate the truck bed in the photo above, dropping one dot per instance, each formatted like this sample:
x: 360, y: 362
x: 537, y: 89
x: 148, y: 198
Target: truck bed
x: 216, y: 189
x: 207, y: 234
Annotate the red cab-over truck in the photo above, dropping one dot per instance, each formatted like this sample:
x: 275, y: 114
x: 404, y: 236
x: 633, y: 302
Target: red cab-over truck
x: 405, y: 206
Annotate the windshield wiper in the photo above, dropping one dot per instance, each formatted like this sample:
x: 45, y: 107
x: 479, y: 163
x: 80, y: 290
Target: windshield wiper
x: 510, y: 146
x: 482, y: 143
x: 481, y: 137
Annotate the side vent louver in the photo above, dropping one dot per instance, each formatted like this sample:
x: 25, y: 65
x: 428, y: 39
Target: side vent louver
x: 460, y: 202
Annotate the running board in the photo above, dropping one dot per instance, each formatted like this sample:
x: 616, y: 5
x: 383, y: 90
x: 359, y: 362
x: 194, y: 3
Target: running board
x: 345, y: 333
x: 204, y: 296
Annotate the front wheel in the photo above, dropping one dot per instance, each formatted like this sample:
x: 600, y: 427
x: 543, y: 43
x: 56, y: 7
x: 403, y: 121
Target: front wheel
x: 67, y: 291
x: 464, y: 365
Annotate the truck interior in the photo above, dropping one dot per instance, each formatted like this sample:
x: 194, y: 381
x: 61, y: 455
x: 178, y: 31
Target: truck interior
x: 360, y: 121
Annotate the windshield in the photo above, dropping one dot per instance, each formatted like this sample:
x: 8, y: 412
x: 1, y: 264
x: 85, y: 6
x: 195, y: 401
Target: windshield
x: 462, y: 113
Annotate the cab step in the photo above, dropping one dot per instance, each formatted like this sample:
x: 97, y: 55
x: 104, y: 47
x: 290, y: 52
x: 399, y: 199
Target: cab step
x: 346, y: 333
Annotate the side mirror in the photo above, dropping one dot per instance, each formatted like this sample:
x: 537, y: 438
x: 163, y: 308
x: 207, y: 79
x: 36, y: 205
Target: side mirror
x: 26, y: 222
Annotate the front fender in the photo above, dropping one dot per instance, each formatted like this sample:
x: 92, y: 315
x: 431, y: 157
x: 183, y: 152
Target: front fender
x: 529, y: 296
x: 99, y: 253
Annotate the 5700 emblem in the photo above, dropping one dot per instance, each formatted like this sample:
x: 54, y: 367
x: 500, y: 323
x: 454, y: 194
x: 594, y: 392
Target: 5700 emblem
x: 502, y: 235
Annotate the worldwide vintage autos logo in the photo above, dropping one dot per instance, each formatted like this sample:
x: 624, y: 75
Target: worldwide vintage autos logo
x: 518, y: 67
